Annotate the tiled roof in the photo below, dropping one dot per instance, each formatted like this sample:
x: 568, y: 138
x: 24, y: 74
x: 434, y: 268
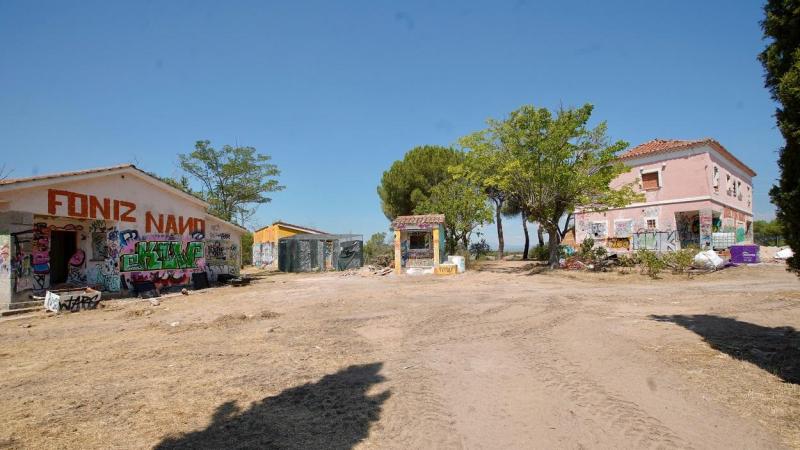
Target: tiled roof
x: 64, y: 174
x: 417, y: 220
x: 657, y: 146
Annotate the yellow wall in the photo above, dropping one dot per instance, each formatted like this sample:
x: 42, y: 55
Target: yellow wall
x: 273, y: 233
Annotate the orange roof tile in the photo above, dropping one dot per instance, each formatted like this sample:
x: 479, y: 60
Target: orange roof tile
x: 657, y: 146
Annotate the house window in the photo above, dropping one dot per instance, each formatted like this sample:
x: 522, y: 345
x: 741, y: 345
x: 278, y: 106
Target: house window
x: 651, y: 180
x: 739, y: 189
x: 418, y: 240
x: 715, y: 179
x: 652, y: 224
x: 735, y: 191
x: 728, y: 184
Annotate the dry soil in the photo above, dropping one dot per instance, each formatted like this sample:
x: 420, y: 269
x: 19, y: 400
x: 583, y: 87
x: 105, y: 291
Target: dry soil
x: 502, y: 357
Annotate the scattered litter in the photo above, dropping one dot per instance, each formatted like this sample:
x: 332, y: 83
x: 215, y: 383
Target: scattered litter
x: 367, y: 271
x: 185, y: 291
x: 708, y: 259
x: 25, y: 325
x: 784, y: 253
x: 154, y: 302
x: 174, y: 324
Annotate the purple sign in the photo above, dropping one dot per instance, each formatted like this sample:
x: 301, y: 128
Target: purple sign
x: 744, y: 254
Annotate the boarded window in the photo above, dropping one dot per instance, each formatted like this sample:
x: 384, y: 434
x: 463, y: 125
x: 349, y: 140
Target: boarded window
x: 650, y: 180
x: 651, y: 224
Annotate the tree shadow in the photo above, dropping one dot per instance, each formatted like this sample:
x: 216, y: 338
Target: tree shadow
x: 333, y: 413
x: 775, y: 350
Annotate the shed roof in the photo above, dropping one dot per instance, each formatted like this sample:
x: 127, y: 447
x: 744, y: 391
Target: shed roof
x: 418, y: 219
x: 657, y: 146
x: 296, y: 227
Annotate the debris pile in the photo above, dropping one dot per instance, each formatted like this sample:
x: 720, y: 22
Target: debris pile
x: 367, y: 271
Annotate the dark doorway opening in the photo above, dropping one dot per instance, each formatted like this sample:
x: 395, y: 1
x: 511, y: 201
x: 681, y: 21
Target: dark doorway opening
x: 62, y: 246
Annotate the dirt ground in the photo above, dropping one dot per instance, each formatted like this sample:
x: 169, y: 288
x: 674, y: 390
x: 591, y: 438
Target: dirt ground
x: 503, y: 357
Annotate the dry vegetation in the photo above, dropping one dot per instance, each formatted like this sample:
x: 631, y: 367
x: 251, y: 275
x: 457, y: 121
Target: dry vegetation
x: 502, y: 357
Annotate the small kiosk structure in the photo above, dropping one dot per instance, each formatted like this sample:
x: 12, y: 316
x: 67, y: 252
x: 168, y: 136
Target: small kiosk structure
x: 418, y: 243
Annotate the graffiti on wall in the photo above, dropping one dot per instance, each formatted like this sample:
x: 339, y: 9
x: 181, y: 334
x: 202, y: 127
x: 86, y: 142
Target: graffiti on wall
x: 162, y: 255
x: 263, y: 254
x: 618, y: 243
x: 706, y: 226
x: 688, y: 225
x: 75, y: 268
x: 659, y: 241
x: 623, y: 228
x: 599, y: 230
x: 5, y: 256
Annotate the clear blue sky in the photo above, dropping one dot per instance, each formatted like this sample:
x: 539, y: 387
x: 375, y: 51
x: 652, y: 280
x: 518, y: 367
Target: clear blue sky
x: 336, y: 91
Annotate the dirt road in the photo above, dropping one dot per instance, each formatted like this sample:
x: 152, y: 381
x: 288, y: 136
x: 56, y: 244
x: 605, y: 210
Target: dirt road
x: 499, y: 358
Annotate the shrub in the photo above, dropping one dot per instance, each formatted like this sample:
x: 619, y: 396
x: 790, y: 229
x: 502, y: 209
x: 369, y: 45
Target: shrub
x: 587, y: 247
x: 479, y: 249
x: 540, y: 253
x: 680, y: 260
x: 651, y: 262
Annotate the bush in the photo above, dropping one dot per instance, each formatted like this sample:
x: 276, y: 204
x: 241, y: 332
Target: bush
x: 681, y: 260
x: 540, y: 253
x: 651, y: 262
x: 378, y: 251
x: 587, y: 247
x: 479, y: 249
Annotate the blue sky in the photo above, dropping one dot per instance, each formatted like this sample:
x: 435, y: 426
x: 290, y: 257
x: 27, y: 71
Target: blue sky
x: 336, y: 91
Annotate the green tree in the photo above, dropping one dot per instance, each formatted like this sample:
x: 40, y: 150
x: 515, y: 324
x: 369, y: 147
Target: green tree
x: 481, y: 166
x: 247, y: 249
x: 559, y: 165
x: 781, y: 59
x: 408, y: 183
x: 234, y: 180
x: 768, y: 232
x: 464, y: 207
x: 377, y: 246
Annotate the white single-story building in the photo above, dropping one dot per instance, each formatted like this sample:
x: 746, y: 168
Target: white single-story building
x: 112, y: 229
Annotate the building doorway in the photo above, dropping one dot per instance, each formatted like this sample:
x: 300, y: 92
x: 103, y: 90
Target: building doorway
x: 62, y: 246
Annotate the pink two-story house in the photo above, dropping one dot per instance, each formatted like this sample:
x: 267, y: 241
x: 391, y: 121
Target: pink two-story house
x: 696, y: 193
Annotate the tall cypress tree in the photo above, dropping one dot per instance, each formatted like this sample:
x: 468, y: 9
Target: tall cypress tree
x: 781, y: 59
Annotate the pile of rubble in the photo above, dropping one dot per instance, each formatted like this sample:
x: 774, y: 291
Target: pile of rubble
x: 368, y: 271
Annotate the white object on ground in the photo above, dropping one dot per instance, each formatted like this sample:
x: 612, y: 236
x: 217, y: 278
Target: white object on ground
x: 459, y: 261
x: 708, y: 259
x: 784, y: 253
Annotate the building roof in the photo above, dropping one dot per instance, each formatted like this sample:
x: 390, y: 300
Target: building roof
x: 65, y: 174
x: 418, y: 220
x: 37, y: 180
x: 658, y: 146
x: 296, y: 227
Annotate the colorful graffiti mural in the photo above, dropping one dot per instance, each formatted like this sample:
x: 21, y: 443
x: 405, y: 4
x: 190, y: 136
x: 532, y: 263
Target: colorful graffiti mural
x: 162, y: 255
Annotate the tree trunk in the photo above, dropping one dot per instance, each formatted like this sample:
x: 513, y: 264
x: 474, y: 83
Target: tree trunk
x: 540, y: 234
x: 527, y: 238
x: 553, y: 243
x: 499, y: 219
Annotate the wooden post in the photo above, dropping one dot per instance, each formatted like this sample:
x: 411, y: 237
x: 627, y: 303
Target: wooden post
x: 435, y: 244
x: 398, y: 255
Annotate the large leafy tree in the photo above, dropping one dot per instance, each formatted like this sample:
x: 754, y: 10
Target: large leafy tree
x: 781, y: 59
x: 409, y: 181
x: 482, y: 163
x: 464, y: 206
x: 234, y: 180
x: 559, y: 164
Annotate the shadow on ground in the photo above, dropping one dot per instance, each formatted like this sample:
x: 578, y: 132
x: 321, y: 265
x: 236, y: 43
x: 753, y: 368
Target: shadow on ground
x: 776, y: 350
x: 333, y: 413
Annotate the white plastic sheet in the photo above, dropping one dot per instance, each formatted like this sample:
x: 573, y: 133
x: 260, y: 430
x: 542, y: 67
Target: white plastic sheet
x: 784, y: 253
x: 708, y: 259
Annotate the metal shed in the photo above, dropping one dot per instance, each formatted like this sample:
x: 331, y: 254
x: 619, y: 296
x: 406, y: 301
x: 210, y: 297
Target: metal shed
x: 320, y: 252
